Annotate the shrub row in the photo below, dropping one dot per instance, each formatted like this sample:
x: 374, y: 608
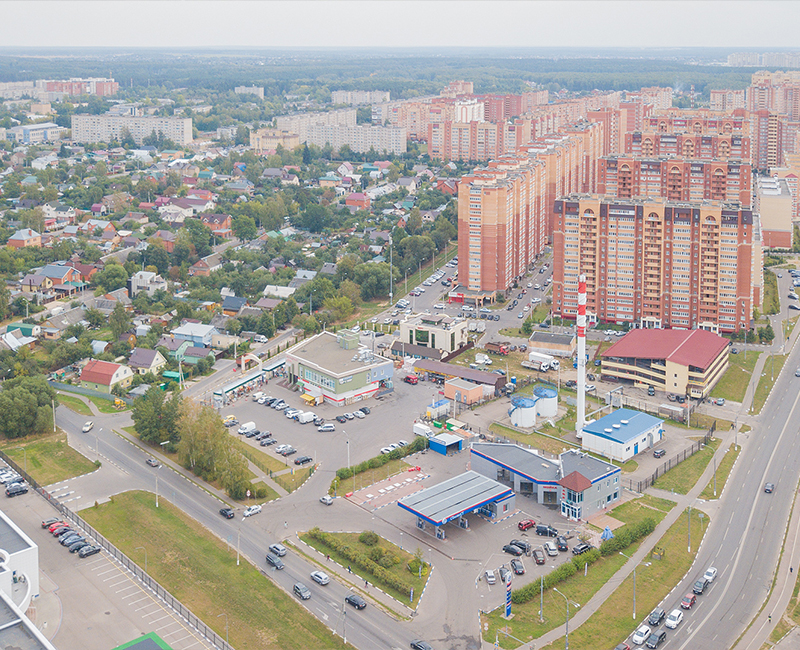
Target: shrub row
x: 361, y: 560
x: 418, y: 444
x: 555, y: 577
x: 627, y: 535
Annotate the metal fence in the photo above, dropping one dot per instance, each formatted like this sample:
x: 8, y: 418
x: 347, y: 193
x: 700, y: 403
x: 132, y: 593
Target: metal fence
x: 88, y: 392
x: 167, y: 598
x: 643, y: 484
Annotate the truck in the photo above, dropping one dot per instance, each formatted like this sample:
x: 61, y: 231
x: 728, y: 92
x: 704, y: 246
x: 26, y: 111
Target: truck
x: 472, y: 327
x: 536, y: 364
x: 421, y: 429
x: 551, y: 361
x: 497, y: 348
x: 305, y: 418
x: 257, y: 395
x: 482, y: 358
x: 481, y: 327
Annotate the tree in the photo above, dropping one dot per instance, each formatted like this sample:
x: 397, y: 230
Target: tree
x: 111, y: 278
x: 340, y: 307
x: 373, y: 280
x: 243, y: 136
x: 315, y: 218
x: 244, y: 227
x: 94, y: 317
x: 119, y: 321
x: 5, y: 302
x: 156, y: 255
x: 26, y: 407
x: 156, y: 417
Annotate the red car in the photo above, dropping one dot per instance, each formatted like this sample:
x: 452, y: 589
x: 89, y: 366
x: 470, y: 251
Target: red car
x: 411, y: 379
x: 688, y: 601
x: 525, y: 524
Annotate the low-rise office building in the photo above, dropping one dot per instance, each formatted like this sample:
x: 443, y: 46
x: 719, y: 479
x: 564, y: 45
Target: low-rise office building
x: 622, y: 434
x: 434, y: 331
x: 684, y: 362
x: 337, y: 368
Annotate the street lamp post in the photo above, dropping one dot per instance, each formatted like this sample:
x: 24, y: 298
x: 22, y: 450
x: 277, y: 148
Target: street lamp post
x: 566, y: 602
x: 226, y: 626
x: 145, y: 556
x: 634, y: 583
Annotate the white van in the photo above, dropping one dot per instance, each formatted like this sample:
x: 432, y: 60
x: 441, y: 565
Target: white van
x: 260, y: 338
x: 257, y: 396
x: 246, y: 428
x: 305, y: 418
x: 421, y: 429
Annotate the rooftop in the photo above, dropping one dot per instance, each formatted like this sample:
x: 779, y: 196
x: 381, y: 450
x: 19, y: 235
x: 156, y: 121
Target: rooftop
x: 696, y: 348
x: 551, y: 338
x: 324, y: 351
x: 522, y: 461
x: 622, y: 425
x: 448, y: 369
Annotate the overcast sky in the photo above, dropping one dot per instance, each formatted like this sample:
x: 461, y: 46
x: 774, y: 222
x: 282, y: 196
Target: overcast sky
x: 279, y: 23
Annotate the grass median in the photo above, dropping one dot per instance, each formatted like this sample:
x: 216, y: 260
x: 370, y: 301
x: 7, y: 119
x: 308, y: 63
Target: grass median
x: 733, y: 384
x: 612, y: 622
x: 107, y: 406
x: 772, y: 368
x: 723, y: 470
x: 74, y: 404
x: 293, y: 479
x: 200, y: 570
x: 49, y: 458
x: 681, y: 478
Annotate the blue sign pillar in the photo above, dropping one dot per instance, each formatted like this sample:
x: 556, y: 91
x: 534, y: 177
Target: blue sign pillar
x: 508, y: 594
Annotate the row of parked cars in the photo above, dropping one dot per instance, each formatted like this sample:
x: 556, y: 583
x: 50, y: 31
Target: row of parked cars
x: 70, y: 538
x: 649, y: 634
x: 15, y: 484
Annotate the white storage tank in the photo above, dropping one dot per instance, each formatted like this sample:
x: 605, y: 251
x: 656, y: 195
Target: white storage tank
x: 523, y: 412
x: 546, y: 401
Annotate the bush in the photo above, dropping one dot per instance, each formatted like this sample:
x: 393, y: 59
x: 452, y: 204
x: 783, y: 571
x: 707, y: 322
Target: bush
x: 369, y: 538
x: 375, y: 554
x: 419, y: 443
x: 627, y: 535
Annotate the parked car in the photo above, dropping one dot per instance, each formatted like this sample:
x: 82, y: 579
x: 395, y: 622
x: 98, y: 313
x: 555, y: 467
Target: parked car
x: 512, y: 549
x: 227, y: 513
x: 77, y: 546
x: 16, y: 489
x: 688, y: 601
x: 302, y: 460
x: 525, y: 546
x: 525, y: 524
x: 546, y: 531
x: 581, y: 548
x: 365, y: 410
x: 656, y: 617
x: 355, y: 600
x: 320, y: 577
x: 420, y: 645
x: 327, y: 428
x: 659, y: 453
x: 517, y: 566
x: 490, y: 577
x: 49, y: 522
x: 341, y: 419
x: 550, y: 549
x: 622, y: 646
x: 561, y: 543
x: 504, y: 575
x: 674, y: 619
x: 274, y: 561
x: 641, y: 635
x: 278, y: 549
x: 538, y: 556
x: 656, y: 639
x: 88, y: 427
x: 411, y: 379
x: 86, y: 551
x: 266, y: 442
x: 289, y: 451
x: 249, y: 511
x: 326, y: 499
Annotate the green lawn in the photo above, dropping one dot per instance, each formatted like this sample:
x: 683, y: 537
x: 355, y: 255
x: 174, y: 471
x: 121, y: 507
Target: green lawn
x: 271, y: 494
x: 771, y: 302
x: 683, y: 476
x: 48, y: 459
x: 645, y: 507
x: 294, y: 478
x: 772, y: 369
x: 400, y: 569
x: 107, y: 406
x: 260, y: 459
x: 733, y: 384
x: 75, y: 404
x: 723, y: 469
x: 200, y: 570
x: 612, y: 622
x: 370, y: 476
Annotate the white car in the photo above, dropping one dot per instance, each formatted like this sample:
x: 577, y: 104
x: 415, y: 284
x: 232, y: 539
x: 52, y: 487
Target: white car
x: 252, y: 510
x: 386, y: 450
x: 327, y: 499
x: 535, y: 301
x: 373, y: 320
x: 359, y: 415
x: 674, y: 619
x: 281, y: 448
x: 88, y: 427
x: 486, y: 310
x: 640, y: 636
x: 320, y: 577
x: 589, y: 388
x: 710, y: 574
x: 536, y: 286
x: 490, y: 577
x: 402, y: 443
x: 439, y: 305
x: 529, y: 285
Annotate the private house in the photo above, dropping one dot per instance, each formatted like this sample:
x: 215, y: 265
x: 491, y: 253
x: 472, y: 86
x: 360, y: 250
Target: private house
x: 217, y: 222
x: 103, y: 376
x: 143, y: 361
x: 167, y: 237
x: 196, y: 333
x: 35, y: 283
x: 409, y: 183
x: 91, y: 226
x: 99, y: 210
x: 25, y: 238
x: 145, y: 281
x: 329, y: 180
x: 206, y: 266
x: 175, y: 347
x: 232, y: 305
x: 358, y: 200
x: 193, y: 354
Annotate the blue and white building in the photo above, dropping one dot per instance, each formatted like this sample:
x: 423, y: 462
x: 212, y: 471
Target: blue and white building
x: 622, y: 434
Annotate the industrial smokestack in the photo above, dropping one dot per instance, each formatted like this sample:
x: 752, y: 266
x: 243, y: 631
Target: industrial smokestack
x: 581, y: 323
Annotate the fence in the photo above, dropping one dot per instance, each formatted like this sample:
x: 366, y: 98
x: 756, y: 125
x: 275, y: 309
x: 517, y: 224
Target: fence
x: 88, y: 392
x: 640, y: 486
x: 166, y: 597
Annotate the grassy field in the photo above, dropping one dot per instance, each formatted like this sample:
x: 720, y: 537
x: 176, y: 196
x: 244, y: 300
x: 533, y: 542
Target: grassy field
x: 48, y: 459
x: 612, y: 621
x: 370, y: 476
x: 400, y: 569
x: 683, y: 476
x: 723, y: 469
x: 767, y: 380
x: 260, y: 459
x: 646, y: 507
x: 539, y: 441
x: 106, y: 406
x: 75, y: 404
x: 771, y: 302
x: 293, y: 479
x: 271, y: 494
x: 733, y: 384
x: 200, y: 570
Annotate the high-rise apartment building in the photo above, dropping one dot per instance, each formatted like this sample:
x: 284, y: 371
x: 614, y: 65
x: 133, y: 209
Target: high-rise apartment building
x: 476, y: 140
x: 268, y: 140
x: 300, y: 123
x: 656, y: 263
x: 774, y: 203
x: 711, y: 146
x: 727, y: 100
x: 676, y: 179
x: 105, y: 128
x: 356, y: 97
x: 362, y: 138
x: 99, y: 86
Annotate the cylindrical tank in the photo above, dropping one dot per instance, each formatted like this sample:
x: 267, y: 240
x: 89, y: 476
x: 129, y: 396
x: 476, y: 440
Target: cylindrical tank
x: 546, y: 402
x: 523, y: 412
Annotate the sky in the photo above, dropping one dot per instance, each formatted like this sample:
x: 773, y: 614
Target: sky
x: 374, y: 23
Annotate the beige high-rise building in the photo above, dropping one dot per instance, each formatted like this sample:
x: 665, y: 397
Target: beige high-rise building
x: 300, y: 123
x: 774, y: 204
x: 105, y: 128
x: 266, y: 140
x: 656, y: 263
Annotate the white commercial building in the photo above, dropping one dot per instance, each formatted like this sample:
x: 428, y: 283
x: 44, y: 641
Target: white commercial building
x: 622, y: 434
x: 36, y: 133
x: 105, y: 128
x: 249, y: 90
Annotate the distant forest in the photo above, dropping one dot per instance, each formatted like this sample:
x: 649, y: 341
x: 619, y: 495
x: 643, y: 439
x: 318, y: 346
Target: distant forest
x: 402, y: 73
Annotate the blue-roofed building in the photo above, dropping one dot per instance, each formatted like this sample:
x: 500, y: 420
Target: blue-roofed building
x: 622, y: 434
